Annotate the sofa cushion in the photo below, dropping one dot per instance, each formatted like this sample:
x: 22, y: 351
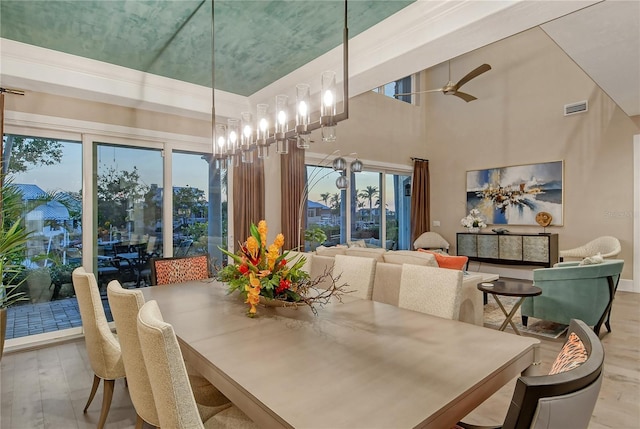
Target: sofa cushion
x: 330, y: 251
x: 410, y: 257
x: 366, y: 252
x: 448, y: 261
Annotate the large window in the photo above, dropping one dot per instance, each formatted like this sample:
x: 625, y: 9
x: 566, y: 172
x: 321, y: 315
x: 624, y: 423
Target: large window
x: 401, y: 86
x: 376, y: 214
x: 45, y: 177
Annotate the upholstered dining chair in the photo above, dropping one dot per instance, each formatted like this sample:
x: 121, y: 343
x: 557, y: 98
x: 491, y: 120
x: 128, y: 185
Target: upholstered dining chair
x: 179, y: 269
x: 435, y: 291
x: 125, y: 305
x: 607, y: 246
x: 103, y: 348
x: 357, y: 272
x: 567, y: 396
x: 172, y: 393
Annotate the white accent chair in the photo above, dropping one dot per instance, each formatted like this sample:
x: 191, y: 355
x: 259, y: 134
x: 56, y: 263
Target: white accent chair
x: 357, y: 272
x: 435, y: 291
x: 431, y: 240
x: 607, y: 246
x: 103, y: 347
x: 172, y: 392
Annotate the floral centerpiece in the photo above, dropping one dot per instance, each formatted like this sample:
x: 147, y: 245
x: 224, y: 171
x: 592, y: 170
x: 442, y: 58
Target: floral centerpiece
x: 263, y: 271
x: 473, y: 221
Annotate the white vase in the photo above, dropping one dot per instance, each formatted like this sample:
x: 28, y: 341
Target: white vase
x: 474, y: 229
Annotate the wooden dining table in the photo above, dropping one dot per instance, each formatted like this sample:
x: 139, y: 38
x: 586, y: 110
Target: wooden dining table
x: 356, y: 364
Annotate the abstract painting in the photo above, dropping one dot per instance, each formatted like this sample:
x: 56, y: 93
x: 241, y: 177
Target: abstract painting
x: 514, y: 195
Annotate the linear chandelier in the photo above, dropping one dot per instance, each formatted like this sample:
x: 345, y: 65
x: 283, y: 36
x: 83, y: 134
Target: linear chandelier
x: 238, y: 139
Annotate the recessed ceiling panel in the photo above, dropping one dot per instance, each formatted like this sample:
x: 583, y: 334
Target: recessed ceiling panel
x: 257, y: 42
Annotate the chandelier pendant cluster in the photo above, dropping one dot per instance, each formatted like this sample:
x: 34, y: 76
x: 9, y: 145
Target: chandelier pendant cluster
x: 238, y: 139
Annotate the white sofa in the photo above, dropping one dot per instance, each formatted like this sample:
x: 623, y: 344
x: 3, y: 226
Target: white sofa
x: 388, y: 269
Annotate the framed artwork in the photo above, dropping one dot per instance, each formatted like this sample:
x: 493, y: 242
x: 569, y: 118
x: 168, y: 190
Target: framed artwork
x: 515, y: 195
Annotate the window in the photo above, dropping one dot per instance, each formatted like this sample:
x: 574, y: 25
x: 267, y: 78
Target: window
x: 324, y: 205
x: 401, y: 86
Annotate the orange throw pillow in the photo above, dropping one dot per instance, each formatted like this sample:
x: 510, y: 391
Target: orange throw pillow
x: 448, y: 261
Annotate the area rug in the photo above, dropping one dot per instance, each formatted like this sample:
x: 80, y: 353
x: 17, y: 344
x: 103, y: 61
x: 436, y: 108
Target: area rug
x: 493, y: 318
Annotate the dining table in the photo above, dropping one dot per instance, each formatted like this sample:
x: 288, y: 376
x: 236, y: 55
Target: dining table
x: 353, y: 363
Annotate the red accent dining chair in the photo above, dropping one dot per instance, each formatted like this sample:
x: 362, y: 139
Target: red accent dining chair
x: 179, y: 269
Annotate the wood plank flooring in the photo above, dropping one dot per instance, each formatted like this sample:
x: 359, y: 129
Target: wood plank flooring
x: 48, y: 387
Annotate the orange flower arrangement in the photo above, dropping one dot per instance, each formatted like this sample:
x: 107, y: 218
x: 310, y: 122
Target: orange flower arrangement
x: 262, y: 270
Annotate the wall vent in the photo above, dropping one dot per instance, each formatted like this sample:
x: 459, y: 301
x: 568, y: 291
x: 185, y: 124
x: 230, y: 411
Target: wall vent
x: 573, y: 108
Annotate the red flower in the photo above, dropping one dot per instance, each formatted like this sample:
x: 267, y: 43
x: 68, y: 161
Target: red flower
x: 243, y: 269
x: 284, y: 285
x: 283, y: 262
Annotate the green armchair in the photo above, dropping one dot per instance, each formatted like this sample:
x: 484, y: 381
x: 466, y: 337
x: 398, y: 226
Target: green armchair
x: 573, y: 291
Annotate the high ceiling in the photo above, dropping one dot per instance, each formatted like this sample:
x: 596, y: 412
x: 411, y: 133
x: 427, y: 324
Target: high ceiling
x: 256, y: 42
x: 123, y: 51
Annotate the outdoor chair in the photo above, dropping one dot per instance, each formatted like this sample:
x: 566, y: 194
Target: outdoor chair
x: 183, y: 248
x: 172, y: 393
x: 179, y: 269
x: 103, y: 348
x: 567, y: 396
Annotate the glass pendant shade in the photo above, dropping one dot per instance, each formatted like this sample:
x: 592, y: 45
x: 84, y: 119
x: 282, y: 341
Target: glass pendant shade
x: 304, y: 141
x: 282, y: 146
x: 282, y: 120
x: 328, y: 106
x: 303, y: 107
x: 342, y: 182
x: 220, y: 141
x: 262, y: 129
x: 247, y: 131
x: 233, y: 136
x: 263, y: 151
x: 247, y: 156
x: 356, y: 166
x: 339, y: 164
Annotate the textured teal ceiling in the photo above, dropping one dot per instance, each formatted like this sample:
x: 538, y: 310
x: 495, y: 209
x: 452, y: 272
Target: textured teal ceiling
x: 257, y: 42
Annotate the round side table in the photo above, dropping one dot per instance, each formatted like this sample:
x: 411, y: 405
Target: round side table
x: 509, y: 288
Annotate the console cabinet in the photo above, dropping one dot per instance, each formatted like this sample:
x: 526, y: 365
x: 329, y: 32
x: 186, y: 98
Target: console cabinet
x: 520, y: 249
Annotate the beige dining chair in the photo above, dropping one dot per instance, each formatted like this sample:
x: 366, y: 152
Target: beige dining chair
x: 357, y: 272
x: 435, y: 291
x: 125, y: 305
x: 179, y: 269
x: 172, y: 393
x: 103, y: 347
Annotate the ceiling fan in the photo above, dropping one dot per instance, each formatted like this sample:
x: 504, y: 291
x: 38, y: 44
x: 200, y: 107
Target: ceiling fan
x: 452, y: 89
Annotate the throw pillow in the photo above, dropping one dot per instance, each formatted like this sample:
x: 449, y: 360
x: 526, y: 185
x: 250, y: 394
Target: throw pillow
x: 592, y: 260
x: 448, y: 261
x: 413, y: 258
x: 356, y: 243
x: 330, y: 251
x: 572, y: 355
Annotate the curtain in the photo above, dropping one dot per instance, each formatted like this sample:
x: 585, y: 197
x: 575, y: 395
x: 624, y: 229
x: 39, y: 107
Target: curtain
x: 248, y: 199
x: 420, y: 199
x: 292, y: 187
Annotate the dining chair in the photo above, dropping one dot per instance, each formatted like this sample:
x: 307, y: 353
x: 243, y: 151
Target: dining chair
x: 125, y: 305
x: 567, y: 396
x: 103, y: 348
x: 357, y: 272
x: 172, y: 393
x: 435, y: 291
x: 179, y: 269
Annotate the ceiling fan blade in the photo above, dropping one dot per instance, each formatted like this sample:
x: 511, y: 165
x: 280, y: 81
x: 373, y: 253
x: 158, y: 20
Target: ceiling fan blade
x: 419, y: 92
x: 466, y: 97
x: 473, y: 74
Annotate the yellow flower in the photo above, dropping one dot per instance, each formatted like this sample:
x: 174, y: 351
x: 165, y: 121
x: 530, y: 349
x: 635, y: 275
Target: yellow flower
x: 253, y: 293
x: 272, y: 255
x: 279, y: 241
x: 262, y: 229
x: 253, y: 247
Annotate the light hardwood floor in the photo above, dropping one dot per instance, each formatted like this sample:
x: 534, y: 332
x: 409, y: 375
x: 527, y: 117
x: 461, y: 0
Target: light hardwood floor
x: 48, y: 387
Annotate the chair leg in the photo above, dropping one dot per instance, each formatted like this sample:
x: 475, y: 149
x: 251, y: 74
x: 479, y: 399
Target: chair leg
x: 106, y: 402
x: 139, y: 422
x: 94, y: 388
x: 525, y: 320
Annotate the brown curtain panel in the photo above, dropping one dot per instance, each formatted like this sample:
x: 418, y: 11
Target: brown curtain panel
x: 420, y: 199
x: 292, y: 183
x: 248, y: 199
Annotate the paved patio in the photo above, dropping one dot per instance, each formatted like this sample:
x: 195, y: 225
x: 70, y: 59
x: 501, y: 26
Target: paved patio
x: 30, y: 319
